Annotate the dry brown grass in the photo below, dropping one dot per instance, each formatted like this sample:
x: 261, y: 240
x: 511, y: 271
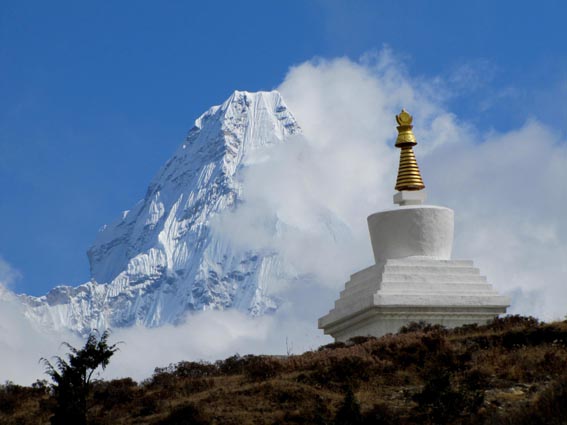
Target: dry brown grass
x: 486, y: 374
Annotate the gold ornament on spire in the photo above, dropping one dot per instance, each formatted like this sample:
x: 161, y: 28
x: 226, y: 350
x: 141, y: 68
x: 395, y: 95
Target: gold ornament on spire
x: 409, y: 177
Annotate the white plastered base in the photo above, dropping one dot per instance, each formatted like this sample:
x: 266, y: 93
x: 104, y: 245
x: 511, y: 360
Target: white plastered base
x: 382, y: 298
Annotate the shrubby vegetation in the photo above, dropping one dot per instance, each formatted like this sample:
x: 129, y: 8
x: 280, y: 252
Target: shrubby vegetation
x: 72, y: 378
x: 512, y: 371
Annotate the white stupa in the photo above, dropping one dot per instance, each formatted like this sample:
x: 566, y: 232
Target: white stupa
x: 413, y: 278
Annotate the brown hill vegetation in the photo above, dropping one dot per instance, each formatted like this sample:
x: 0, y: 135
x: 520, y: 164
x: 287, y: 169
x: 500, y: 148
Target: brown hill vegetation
x: 512, y: 371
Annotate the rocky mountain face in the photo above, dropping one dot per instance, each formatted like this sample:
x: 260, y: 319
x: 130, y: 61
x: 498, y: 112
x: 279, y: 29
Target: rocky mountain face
x: 162, y: 258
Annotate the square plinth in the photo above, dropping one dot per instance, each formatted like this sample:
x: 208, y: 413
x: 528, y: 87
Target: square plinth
x: 410, y: 197
x: 383, y: 298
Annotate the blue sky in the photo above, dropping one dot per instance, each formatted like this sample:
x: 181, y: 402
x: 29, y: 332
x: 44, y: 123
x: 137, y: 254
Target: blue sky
x: 95, y: 97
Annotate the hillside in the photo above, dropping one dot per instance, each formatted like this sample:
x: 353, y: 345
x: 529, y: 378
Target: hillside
x: 512, y: 371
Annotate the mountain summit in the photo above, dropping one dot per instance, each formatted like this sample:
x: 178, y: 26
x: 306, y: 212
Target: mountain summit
x: 162, y: 259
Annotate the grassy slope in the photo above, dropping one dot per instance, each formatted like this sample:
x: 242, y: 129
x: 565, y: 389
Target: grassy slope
x: 512, y: 371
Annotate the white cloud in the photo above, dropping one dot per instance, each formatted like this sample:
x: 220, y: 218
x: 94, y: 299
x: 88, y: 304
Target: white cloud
x: 316, y: 191
x: 209, y: 336
x: 506, y: 189
x: 22, y: 345
x: 507, y: 193
x: 8, y: 274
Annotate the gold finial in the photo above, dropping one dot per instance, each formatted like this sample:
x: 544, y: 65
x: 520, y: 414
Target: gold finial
x: 409, y: 177
x: 404, y: 118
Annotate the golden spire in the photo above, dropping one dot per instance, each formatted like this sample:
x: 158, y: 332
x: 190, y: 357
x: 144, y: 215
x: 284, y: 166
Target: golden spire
x: 409, y: 177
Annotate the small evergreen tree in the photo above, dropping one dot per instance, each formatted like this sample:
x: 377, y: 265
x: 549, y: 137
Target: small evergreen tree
x: 72, y: 378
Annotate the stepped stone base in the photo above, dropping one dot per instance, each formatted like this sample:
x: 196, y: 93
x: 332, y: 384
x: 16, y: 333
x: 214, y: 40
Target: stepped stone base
x: 382, y: 298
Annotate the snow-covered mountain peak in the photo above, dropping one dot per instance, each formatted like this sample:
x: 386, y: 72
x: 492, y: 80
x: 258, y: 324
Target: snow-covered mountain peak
x: 220, y: 142
x: 233, y: 131
x: 160, y: 259
x: 251, y: 107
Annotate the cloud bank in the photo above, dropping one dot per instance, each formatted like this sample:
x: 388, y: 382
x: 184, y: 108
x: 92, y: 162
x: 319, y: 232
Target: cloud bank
x: 506, y: 189
x: 208, y: 336
x: 22, y: 345
x: 8, y: 274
